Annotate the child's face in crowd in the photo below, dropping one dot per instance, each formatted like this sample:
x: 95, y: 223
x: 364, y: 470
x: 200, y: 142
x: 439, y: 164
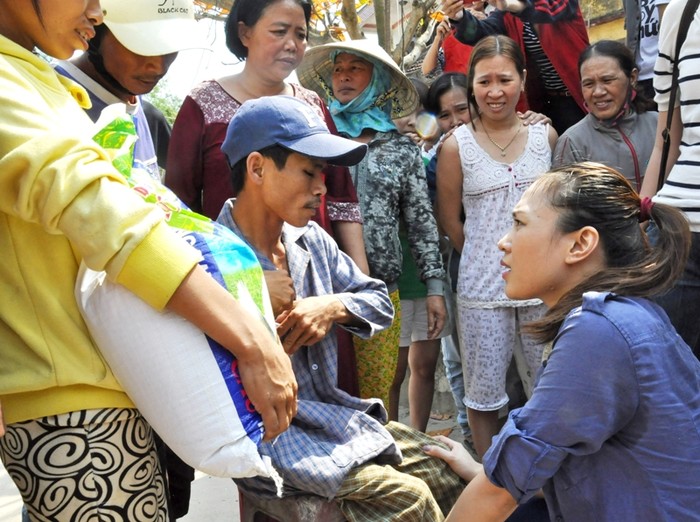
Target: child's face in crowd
x: 534, y: 251
x: 605, y: 86
x: 59, y: 28
x: 137, y: 74
x: 407, y: 124
x: 293, y: 193
x: 277, y: 41
x: 454, y: 109
x: 420, y: 126
x: 351, y: 75
x: 497, y: 87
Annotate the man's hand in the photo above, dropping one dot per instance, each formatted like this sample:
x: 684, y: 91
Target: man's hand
x: 281, y: 289
x: 266, y: 371
x: 266, y: 379
x: 2, y: 423
x: 453, y: 9
x: 437, y: 314
x: 309, y: 321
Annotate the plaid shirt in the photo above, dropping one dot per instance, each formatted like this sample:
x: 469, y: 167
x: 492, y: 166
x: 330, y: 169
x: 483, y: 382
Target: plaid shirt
x: 333, y: 431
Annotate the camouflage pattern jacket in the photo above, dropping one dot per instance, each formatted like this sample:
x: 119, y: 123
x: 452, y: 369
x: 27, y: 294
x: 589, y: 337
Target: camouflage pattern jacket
x: 392, y: 187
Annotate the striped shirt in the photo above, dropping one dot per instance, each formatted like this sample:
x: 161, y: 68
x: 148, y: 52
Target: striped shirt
x: 550, y: 78
x: 682, y: 188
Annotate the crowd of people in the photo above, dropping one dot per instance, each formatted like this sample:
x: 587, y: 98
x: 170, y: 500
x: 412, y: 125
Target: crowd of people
x: 510, y: 208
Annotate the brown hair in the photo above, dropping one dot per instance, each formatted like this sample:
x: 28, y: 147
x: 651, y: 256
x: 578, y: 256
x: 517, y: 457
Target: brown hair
x: 592, y: 194
x: 488, y: 47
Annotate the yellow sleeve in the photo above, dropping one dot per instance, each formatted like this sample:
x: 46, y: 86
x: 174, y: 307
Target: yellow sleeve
x: 55, y: 176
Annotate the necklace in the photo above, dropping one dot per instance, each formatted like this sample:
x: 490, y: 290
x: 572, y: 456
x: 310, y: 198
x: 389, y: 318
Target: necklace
x: 502, y: 149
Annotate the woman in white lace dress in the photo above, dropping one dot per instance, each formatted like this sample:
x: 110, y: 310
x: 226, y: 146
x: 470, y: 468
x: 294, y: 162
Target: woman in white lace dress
x: 483, y: 169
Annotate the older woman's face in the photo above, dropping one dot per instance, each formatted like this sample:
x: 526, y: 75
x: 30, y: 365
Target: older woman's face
x: 605, y: 86
x: 351, y: 75
x: 277, y: 41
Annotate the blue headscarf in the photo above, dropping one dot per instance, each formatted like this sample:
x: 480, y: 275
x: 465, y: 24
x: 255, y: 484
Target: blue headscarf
x: 370, y: 110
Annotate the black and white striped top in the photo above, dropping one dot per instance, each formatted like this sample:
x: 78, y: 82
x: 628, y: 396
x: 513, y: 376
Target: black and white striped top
x: 549, y: 76
x: 682, y: 188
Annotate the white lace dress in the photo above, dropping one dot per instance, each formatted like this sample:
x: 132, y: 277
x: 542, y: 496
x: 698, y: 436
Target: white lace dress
x: 490, y: 333
x: 490, y: 190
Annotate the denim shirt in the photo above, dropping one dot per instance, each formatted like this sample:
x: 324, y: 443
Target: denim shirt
x: 612, y: 431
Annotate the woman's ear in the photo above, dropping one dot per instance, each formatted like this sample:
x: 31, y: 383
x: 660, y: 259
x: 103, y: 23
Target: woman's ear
x: 243, y: 31
x: 585, y: 242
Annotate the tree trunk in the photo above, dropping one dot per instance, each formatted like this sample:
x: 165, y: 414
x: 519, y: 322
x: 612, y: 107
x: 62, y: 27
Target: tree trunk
x: 419, y: 13
x: 382, y: 15
x: 349, y: 15
x: 420, y: 44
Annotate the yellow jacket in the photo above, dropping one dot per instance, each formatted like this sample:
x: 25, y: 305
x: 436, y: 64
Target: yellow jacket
x: 62, y: 202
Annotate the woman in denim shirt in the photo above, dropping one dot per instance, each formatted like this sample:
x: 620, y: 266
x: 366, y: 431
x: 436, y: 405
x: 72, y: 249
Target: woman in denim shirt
x: 612, y: 431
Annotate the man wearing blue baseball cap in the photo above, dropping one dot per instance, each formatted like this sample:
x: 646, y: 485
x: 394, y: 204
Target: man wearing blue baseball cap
x: 337, y: 445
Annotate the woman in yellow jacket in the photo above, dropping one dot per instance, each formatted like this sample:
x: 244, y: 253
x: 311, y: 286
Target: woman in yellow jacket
x: 61, y: 202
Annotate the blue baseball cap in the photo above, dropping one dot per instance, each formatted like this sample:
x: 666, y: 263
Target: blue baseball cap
x: 290, y: 123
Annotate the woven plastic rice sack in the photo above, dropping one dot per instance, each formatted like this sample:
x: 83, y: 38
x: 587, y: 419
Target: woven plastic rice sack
x: 185, y: 384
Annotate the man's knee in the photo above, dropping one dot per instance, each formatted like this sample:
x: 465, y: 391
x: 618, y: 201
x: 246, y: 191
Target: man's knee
x: 416, y: 490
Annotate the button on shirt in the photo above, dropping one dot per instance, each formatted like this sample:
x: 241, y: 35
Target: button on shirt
x: 333, y: 431
x: 612, y: 431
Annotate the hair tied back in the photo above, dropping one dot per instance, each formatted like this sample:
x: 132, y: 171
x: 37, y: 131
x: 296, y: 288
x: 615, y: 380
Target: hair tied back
x: 645, y: 207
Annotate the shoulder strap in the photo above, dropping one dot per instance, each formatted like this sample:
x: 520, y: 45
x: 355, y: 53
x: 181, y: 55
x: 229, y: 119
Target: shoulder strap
x: 686, y: 19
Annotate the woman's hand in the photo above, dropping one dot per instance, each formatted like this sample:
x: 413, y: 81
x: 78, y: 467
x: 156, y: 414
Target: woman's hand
x: 437, y: 314
x: 442, y: 30
x: 456, y: 456
x: 531, y: 117
x: 514, y: 6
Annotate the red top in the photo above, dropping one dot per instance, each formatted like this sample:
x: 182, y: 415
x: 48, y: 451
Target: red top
x: 199, y: 174
x: 564, y: 58
x: 456, y: 54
